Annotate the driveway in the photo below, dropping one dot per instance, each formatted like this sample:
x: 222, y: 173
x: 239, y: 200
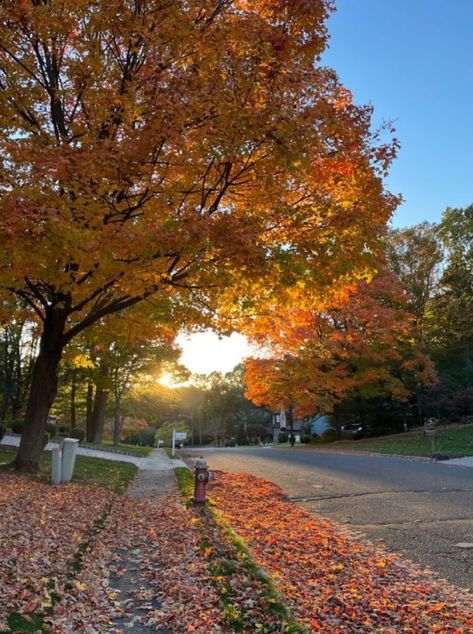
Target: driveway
x: 422, y: 510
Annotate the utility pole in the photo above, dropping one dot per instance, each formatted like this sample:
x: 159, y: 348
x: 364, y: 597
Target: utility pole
x: 292, y: 440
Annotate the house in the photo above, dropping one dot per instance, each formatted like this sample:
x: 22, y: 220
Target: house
x: 317, y: 425
x: 320, y: 423
x: 281, y: 424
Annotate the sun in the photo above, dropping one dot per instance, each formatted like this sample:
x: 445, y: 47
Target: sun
x: 166, y: 379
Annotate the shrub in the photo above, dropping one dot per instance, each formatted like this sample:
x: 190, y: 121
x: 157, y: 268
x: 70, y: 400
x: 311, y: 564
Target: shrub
x: 283, y: 437
x: 3, y: 430
x: 142, y: 438
x: 329, y: 435
x: 62, y: 430
x: 17, y: 426
x: 77, y: 432
x: 305, y: 440
x: 51, y: 428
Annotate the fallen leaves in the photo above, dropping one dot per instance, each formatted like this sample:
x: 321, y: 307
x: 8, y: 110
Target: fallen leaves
x: 41, y: 529
x: 333, y: 582
x: 65, y: 550
x: 81, y: 559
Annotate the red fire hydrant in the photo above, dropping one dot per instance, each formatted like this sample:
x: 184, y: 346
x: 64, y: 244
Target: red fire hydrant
x: 201, y: 478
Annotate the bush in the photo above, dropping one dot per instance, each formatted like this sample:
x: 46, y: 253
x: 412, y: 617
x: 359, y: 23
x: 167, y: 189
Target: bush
x: 305, y: 440
x: 329, y: 435
x: 3, y: 430
x: 142, y: 438
x: 17, y: 426
x: 62, y: 430
x: 77, y: 432
x: 51, y: 428
x: 283, y: 437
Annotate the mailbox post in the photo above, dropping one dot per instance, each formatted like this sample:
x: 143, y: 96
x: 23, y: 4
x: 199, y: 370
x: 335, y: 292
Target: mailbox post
x: 430, y: 432
x: 177, y: 435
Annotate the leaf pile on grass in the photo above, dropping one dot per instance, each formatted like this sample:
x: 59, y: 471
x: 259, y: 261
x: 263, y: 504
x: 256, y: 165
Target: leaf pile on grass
x: 334, y: 583
x: 43, y: 529
x: 65, y: 549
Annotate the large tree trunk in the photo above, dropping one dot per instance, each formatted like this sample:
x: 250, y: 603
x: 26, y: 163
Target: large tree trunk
x: 98, y: 415
x: 90, y: 432
x: 100, y: 403
x: 4, y: 407
x: 43, y: 391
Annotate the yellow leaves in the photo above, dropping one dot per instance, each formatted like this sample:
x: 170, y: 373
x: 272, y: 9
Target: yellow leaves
x: 79, y: 585
x: 82, y: 361
x: 337, y: 567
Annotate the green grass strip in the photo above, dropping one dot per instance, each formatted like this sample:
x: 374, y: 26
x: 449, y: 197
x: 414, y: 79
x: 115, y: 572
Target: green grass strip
x: 451, y: 441
x: 236, y: 558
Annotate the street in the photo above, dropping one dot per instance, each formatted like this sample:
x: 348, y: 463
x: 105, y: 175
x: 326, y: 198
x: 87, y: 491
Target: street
x: 420, y: 510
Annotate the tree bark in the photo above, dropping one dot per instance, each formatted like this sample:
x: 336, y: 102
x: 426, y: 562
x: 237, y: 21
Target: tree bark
x: 338, y: 421
x: 43, y: 390
x: 100, y: 403
x: 117, y: 420
x: 73, y: 398
x: 88, y: 415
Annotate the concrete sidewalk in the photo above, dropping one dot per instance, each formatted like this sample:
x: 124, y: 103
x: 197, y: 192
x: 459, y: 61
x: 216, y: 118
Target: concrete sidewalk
x: 157, y: 460
x: 155, y: 477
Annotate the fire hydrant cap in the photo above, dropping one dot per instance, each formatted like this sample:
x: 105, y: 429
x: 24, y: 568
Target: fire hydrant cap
x: 201, y: 463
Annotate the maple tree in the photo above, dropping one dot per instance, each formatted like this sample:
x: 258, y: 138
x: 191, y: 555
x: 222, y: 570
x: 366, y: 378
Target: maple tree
x: 193, y: 151
x: 359, y: 343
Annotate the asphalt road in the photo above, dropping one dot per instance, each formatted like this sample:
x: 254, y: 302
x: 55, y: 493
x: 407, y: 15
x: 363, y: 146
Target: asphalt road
x: 421, y: 510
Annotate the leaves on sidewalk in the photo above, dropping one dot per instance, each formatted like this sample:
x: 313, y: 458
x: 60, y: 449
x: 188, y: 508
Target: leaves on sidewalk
x: 64, y: 549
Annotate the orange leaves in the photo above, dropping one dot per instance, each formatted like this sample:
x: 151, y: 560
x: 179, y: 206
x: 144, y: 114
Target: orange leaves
x: 358, y: 338
x: 166, y: 162
x: 333, y: 582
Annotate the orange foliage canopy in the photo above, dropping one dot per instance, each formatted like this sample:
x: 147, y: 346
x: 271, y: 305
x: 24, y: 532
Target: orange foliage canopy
x: 148, y: 145
x: 360, y: 341
x: 195, y: 151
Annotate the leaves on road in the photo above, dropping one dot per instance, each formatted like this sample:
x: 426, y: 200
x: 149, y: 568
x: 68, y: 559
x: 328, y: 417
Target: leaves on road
x: 333, y: 582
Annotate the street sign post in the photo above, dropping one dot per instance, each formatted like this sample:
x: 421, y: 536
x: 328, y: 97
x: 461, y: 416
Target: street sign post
x: 177, y: 435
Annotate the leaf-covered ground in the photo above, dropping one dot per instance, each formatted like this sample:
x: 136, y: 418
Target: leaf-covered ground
x: 84, y: 559
x: 333, y: 582
x: 63, y: 551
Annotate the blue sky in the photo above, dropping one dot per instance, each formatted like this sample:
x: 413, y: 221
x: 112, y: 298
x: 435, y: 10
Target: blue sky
x: 413, y: 60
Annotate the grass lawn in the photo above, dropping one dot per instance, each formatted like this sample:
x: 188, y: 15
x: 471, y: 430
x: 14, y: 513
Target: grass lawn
x: 132, y: 449
x: 109, y: 474
x: 456, y: 442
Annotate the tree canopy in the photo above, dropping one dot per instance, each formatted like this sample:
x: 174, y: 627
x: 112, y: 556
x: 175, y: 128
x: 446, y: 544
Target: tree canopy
x: 194, y: 154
